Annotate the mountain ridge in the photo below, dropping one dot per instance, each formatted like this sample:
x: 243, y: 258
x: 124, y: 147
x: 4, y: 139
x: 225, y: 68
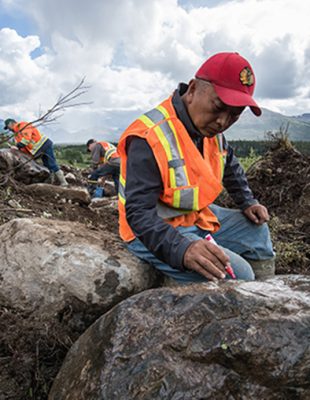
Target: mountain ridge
x: 249, y: 127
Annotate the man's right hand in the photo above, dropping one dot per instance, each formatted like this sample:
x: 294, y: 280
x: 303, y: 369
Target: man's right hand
x: 207, y: 259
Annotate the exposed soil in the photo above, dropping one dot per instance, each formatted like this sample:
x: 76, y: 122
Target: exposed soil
x: 32, y: 348
x: 281, y: 181
x: 15, y: 202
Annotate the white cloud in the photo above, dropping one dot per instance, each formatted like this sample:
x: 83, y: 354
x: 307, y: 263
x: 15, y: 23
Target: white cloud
x: 17, y: 69
x: 133, y: 53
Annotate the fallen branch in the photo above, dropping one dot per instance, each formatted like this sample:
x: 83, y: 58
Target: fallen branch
x: 25, y: 210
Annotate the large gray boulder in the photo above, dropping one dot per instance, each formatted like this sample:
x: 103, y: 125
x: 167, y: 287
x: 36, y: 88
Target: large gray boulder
x: 246, y: 340
x: 64, y: 268
x: 22, y: 167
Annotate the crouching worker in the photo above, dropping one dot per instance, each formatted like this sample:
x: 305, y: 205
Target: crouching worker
x: 105, y: 161
x: 29, y: 140
x: 175, y: 161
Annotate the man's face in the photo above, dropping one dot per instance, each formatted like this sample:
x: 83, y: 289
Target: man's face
x: 207, y: 112
x: 91, y: 146
x: 10, y: 126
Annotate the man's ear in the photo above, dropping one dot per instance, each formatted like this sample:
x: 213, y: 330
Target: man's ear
x: 192, y: 85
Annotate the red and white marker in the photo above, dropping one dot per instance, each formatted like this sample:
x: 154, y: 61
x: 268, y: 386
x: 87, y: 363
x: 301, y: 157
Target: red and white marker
x: 228, y: 267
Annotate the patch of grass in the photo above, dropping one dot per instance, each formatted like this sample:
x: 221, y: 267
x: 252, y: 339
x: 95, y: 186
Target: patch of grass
x: 246, y: 162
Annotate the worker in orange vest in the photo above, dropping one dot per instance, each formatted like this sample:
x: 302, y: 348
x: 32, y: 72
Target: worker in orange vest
x: 29, y: 140
x: 175, y: 161
x: 105, y: 161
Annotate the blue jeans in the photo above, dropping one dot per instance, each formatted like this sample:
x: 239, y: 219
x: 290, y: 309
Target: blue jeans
x: 48, y: 157
x: 107, y: 169
x: 238, y: 237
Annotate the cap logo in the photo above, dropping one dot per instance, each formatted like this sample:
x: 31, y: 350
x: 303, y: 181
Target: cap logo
x: 246, y: 77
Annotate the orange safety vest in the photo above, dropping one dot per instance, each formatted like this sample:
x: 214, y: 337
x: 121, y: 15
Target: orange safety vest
x: 30, y: 136
x: 110, y: 152
x: 191, y: 182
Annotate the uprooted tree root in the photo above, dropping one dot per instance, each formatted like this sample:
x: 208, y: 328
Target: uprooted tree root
x: 281, y: 181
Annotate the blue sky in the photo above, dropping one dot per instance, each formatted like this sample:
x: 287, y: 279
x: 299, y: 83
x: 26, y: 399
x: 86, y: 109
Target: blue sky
x: 18, y: 21
x: 134, y: 52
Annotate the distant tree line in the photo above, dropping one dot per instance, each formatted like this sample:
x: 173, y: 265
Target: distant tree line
x: 72, y: 154
x: 77, y: 155
x: 243, y: 148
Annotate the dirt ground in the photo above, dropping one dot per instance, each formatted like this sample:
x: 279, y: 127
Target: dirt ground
x: 15, y: 202
x: 33, y: 348
x: 281, y: 181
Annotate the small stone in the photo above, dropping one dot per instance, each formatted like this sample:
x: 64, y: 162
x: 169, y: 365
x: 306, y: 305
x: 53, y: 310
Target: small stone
x: 14, y: 204
x: 46, y: 214
x: 70, y: 177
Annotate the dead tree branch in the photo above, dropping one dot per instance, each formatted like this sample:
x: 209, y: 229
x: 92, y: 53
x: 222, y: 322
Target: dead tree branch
x: 51, y: 115
x: 56, y: 111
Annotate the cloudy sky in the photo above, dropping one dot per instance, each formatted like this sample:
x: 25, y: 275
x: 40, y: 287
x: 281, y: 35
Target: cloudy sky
x: 133, y: 53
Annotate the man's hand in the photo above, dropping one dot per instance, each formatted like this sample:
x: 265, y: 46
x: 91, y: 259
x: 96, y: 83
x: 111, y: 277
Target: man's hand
x: 207, y: 259
x: 14, y: 148
x: 257, y: 214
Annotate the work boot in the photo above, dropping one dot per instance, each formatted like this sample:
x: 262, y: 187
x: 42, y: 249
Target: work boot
x: 51, y: 178
x: 61, y: 178
x: 263, y: 269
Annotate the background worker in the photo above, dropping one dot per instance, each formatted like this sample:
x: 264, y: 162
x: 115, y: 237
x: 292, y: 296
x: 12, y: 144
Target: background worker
x: 29, y: 140
x: 174, y: 164
x: 105, y: 161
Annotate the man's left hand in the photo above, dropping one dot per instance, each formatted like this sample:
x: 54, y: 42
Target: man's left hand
x: 14, y: 148
x: 257, y: 213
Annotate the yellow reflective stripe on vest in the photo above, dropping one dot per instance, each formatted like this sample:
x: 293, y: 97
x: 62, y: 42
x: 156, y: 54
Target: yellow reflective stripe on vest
x: 165, y: 113
x: 25, y: 141
x: 121, y: 190
x: 222, y: 156
x: 164, y: 142
x: 109, y: 153
x: 146, y: 119
x: 186, y: 198
x: 38, y: 144
x: 168, y: 138
x: 160, y: 109
x: 180, y: 150
x: 196, y: 199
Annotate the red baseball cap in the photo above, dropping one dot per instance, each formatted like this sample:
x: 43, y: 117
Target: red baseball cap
x: 233, y: 79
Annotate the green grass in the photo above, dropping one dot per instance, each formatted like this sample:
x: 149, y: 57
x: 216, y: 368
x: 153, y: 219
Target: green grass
x: 246, y: 162
x: 81, y: 165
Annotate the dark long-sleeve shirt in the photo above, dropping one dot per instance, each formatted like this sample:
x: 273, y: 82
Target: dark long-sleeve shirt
x: 97, y: 155
x: 144, y: 185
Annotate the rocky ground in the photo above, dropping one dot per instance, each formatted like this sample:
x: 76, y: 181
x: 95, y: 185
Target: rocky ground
x: 16, y: 200
x: 32, y: 347
x: 229, y: 340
